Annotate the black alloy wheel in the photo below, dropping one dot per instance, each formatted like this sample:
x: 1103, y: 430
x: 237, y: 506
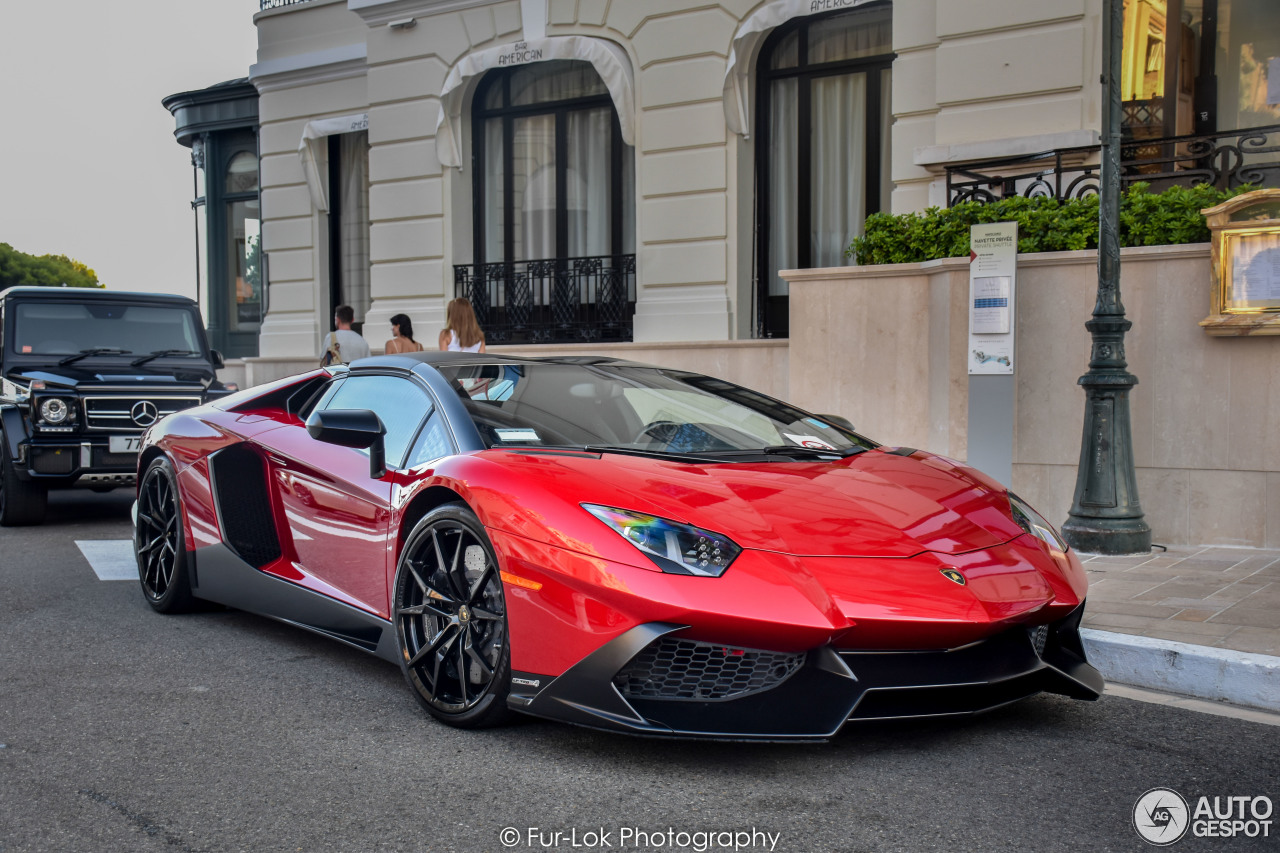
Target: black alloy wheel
x: 158, y: 541
x: 450, y: 618
x: 21, y: 501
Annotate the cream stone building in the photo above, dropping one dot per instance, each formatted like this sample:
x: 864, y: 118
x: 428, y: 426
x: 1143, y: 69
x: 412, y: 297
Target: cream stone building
x: 379, y: 97
x: 677, y: 182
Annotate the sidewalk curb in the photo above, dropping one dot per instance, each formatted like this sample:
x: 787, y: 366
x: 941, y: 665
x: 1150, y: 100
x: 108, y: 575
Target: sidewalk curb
x: 1220, y: 675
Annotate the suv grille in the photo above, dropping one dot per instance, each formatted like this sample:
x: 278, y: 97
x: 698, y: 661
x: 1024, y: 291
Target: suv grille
x: 685, y: 669
x: 117, y: 413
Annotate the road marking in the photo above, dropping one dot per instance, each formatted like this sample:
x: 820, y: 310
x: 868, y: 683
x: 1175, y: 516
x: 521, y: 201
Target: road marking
x: 1221, y: 709
x: 110, y: 559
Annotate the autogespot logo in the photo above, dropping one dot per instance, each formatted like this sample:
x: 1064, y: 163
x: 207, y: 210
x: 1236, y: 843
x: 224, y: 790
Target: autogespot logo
x: 1160, y: 816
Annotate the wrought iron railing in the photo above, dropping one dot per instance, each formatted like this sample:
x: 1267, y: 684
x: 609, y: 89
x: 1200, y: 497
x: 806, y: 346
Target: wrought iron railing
x: 275, y: 4
x: 1225, y: 160
x: 561, y: 300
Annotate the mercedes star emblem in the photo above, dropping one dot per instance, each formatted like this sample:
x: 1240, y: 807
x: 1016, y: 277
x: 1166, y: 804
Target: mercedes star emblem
x: 144, y: 413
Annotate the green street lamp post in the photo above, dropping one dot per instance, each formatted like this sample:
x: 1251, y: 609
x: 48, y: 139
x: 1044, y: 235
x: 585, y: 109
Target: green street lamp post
x: 1105, y: 516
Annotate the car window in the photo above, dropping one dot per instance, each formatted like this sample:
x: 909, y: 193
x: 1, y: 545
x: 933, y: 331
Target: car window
x: 56, y: 328
x: 433, y: 443
x: 398, y: 401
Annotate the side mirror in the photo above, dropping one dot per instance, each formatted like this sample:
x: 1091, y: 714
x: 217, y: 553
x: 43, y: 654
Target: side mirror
x: 358, y: 428
x: 218, y: 361
x: 838, y: 420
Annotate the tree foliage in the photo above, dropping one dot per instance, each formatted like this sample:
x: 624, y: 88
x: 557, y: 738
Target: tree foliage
x: 18, y: 269
x: 1044, y: 224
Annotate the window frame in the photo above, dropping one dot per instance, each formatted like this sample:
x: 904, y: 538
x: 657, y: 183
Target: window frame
x: 876, y: 138
x: 480, y: 115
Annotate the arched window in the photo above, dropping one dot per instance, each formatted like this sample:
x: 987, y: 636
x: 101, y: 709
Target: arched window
x: 554, y: 229
x: 557, y: 179
x: 822, y: 152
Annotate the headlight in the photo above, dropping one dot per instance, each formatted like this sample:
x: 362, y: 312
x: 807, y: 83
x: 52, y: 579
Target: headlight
x: 54, y: 410
x: 677, y: 549
x: 1033, y: 522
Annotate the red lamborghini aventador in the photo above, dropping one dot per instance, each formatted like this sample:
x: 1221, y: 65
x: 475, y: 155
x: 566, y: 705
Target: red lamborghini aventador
x: 610, y: 544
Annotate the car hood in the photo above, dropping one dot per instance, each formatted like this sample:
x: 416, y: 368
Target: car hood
x: 77, y: 376
x: 875, y: 504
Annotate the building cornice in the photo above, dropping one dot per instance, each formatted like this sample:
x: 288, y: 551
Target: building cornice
x: 320, y: 66
x: 967, y: 152
x: 380, y: 12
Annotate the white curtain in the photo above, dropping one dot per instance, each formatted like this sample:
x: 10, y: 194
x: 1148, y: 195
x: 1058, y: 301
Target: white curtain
x: 533, y: 187
x: 838, y: 178
x: 587, y: 181
x: 494, y: 212
x: 354, y: 220
x: 784, y: 105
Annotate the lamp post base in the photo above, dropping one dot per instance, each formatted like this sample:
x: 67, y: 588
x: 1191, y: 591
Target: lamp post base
x: 1110, y: 536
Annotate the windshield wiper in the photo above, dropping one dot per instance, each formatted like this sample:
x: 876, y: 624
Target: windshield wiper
x: 85, y: 353
x: 161, y: 353
x: 654, y: 454
x: 811, y: 452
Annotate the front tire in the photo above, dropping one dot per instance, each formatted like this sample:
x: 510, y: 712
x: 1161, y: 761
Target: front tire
x: 450, y: 618
x: 22, y: 502
x: 159, y: 543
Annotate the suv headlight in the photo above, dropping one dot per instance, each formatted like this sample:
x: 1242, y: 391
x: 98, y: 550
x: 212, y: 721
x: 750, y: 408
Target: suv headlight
x: 1034, y: 523
x: 675, y: 548
x: 54, y: 410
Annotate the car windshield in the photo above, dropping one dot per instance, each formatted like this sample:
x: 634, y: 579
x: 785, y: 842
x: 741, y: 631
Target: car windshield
x: 119, y: 329
x: 643, y: 409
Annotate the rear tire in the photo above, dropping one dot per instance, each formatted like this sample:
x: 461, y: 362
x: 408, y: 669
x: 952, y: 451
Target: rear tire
x: 450, y: 618
x: 159, y: 544
x: 22, y: 502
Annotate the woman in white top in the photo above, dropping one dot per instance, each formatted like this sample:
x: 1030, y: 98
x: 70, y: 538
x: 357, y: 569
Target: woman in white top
x: 462, y: 333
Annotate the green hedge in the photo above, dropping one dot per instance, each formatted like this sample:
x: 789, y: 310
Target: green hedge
x: 1044, y: 224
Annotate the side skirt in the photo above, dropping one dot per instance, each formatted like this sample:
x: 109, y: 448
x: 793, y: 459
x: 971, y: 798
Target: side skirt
x: 226, y: 579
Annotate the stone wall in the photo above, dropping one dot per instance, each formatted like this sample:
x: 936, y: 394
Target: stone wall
x: 884, y: 346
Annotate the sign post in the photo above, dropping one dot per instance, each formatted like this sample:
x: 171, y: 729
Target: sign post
x: 993, y: 267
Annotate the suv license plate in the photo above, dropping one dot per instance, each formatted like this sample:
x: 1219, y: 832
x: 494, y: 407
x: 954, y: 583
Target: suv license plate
x: 125, y: 443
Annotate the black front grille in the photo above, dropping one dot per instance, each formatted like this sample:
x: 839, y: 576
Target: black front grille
x: 106, y: 459
x: 684, y: 669
x: 53, y: 460
x: 244, y: 507
x: 117, y: 413
x: 1039, y: 638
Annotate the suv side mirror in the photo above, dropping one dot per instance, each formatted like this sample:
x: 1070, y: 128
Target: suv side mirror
x: 216, y: 358
x: 358, y: 428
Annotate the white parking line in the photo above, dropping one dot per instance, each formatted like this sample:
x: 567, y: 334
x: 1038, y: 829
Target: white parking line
x: 110, y: 559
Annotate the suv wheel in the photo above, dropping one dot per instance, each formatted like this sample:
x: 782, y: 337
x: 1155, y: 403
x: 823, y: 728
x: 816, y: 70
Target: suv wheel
x: 21, y: 501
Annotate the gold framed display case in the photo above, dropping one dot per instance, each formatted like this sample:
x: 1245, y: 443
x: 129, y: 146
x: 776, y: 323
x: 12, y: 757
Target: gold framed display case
x: 1246, y: 265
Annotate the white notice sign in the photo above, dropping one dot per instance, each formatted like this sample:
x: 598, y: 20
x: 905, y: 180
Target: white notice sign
x: 993, y: 263
x: 989, y: 312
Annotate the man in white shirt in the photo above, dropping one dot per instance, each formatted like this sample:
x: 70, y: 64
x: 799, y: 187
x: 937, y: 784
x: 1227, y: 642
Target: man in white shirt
x: 344, y: 344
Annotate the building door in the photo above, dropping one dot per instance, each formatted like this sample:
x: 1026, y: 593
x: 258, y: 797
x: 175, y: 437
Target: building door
x: 822, y: 152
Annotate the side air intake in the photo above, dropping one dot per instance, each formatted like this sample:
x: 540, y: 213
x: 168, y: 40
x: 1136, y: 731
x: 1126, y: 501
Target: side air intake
x: 244, y: 508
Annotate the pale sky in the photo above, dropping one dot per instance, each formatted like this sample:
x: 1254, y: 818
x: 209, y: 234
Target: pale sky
x: 88, y: 164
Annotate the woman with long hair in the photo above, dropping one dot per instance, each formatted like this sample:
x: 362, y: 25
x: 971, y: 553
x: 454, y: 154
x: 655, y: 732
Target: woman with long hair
x: 462, y: 332
x: 402, y: 336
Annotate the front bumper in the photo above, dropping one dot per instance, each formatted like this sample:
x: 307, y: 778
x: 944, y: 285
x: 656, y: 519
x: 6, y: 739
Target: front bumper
x: 73, y: 460
x: 648, y: 681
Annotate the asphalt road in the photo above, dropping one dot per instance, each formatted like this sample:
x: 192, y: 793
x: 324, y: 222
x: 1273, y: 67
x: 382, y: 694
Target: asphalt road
x: 125, y: 730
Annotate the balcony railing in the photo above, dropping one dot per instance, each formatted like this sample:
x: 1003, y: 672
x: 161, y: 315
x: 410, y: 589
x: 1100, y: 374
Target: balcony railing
x: 1225, y: 160
x: 565, y: 300
x: 276, y: 4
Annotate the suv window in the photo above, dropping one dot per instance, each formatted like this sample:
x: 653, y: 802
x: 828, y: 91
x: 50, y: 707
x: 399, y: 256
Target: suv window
x: 47, y: 328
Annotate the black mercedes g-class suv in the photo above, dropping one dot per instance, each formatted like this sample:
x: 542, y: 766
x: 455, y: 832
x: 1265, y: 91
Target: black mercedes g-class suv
x: 84, y: 373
